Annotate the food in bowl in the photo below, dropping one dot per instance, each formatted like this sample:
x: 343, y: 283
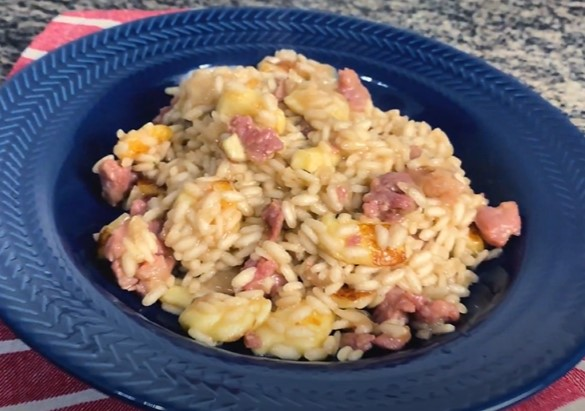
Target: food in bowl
x: 277, y: 205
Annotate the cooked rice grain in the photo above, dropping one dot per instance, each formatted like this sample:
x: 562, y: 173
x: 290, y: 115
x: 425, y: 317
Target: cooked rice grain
x: 212, y: 208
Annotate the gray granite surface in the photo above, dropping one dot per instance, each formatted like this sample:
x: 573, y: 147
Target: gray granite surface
x: 540, y: 42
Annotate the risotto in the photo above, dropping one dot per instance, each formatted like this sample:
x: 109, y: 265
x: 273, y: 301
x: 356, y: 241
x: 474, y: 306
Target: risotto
x: 277, y: 205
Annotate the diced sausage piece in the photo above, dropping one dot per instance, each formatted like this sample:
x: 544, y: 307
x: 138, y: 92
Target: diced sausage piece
x: 342, y: 194
x: 415, y: 152
x: 160, y: 116
x: 497, y: 224
x: 357, y: 341
x: 386, y: 201
x: 259, y: 143
x: 264, y: 269
x: 125, y: 282
x: 437, y: 312
x: 280, y: 91
x: 391, y: 343
x: 156, y: 227
x: 278, y: 281
x: 148, y: 274
x: 250, y: 263
x: 116, y: 180
x: 351, y: 87
x: 252, y: 340
x: 138, y: 207
x: 396, y: 305
x: 274, y: 218
x: 438, y: 183
x: 156, y: 272
x: 114, y: 247
x: 163, y: 264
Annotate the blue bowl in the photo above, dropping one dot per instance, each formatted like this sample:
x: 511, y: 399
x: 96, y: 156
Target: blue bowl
x: 526, y: 324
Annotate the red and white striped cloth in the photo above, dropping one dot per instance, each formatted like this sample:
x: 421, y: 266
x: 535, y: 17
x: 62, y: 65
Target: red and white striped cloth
x: 29, y: 382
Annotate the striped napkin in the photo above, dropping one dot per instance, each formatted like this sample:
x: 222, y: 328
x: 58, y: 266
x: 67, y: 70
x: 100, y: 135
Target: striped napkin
x: 29, y: 382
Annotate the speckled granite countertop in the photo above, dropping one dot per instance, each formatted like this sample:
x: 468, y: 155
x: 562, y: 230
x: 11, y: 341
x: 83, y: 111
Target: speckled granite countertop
x: 540, y: 42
